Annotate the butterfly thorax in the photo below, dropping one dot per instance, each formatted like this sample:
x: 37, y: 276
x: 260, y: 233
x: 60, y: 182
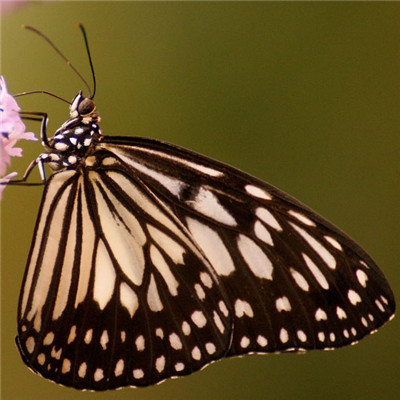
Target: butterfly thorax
x: 73, y: 141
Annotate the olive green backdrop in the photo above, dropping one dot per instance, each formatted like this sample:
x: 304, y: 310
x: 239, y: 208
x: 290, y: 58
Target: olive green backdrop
x: 304, y: 95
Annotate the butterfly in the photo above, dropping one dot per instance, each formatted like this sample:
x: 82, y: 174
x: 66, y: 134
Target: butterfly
x: 150, y: 261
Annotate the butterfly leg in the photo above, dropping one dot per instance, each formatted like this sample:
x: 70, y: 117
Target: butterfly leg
x: 39, y: 162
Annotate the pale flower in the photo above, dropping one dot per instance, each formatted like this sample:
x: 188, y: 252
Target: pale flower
x: 12, y: 129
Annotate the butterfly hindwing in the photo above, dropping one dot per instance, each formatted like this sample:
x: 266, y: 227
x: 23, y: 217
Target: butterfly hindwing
x: 116, y: 293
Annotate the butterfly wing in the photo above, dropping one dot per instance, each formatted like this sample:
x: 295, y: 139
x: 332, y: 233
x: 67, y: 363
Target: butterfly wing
x: 153, y: 261
x: 294, y: 280
x: 113, y: 293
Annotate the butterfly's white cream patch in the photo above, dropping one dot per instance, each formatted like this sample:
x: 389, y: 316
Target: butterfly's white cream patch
x: 257, y: 261
x: 262, y: 233
x: 333, y: 242
x: 163, y: 268
x: 301, y: 217
x: 199, y: 319
x: 160, y: 364
x: 104, y: 279
x: 119, y: 367
x: 174, y: 250
x: 242, y: 308
x: 258, y: 192
x: 268, y: 218
x: 210, y: 348
x: 128, y: 298
x: 175, y: 341
x: 212, y: 246
x: 138, y: 373
x: 318, y: 275
x: 283, y: 335
x: 320, y: 315
x: 206, y: 203
x: 300, y: 280
x: 353, y: 297
x: 104, y: 339
x: 140, y: 343
x: 153, y: 297
x: 283, y: 304
x: 262, y: 341
x: 326, y: 256
x: 218, y: 322
x: 82, y: 370
x: 196, y: 353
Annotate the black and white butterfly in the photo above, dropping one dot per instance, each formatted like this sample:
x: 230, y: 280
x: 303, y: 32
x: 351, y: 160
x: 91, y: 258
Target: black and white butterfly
x: 150, y: 261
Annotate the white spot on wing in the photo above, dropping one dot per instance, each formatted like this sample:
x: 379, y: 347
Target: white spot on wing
x: 160, y: 364
x: 268, y: 218
x: 258, y: 192
x: 333, y: 242
x: 199, y: 319
x: 153, y: 297
x: 255, y: 258
x: 283, y: 335
x: 302, y: 336
x: 242, y: 307
x: 162, y: 266
x: 104, y: 339
x: 210, y: 348
x: 82, y: 370
x: 175, y: 341
x: 353, y: 297
x: 213, y: 247
x: 341, y: 314
x: 362, y: 277
x: 199, y: 291
x: 207, y: 204
x: 320, y: 315
x: 318, y: 275
x: 48, y: 338
x: 196, y: 354
x: 300, y: 280
x: 283, y: 304
x: 140, y: 343
x: 72, y: 334
x: 88, y: 336
x: 174, y: 250
x: 326, y: 256
x: 206, y: 279
x: 179, y: 366
x: 138, y: 373
x: 66, y: 366
x: 119, y: 367
x: 218, y: 322
x: 301, y: 217
x: 262, y: 341
x: 262, y: 233
x: 128, y: 298
x: 104, y: 279
x: 222, y: 307
x: 186, y: 328
x: 244, y: 342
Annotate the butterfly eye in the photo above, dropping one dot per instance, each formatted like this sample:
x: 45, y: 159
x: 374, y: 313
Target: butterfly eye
x: 86, y: 106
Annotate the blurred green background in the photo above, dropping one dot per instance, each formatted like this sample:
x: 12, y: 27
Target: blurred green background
x: 303, y: 95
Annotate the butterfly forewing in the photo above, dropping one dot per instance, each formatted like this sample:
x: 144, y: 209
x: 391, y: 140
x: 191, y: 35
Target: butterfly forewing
x: 294, y: 280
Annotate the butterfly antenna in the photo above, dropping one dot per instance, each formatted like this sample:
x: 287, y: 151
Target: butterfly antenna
x: 81, y: 27
x: 41, y: 92
x: 57, y: 50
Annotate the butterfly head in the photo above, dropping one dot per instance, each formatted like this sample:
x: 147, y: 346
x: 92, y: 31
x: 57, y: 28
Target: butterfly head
x: 76, y: 136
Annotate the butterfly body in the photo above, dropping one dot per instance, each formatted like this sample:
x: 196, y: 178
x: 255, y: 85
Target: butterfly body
x: 150, y: 261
